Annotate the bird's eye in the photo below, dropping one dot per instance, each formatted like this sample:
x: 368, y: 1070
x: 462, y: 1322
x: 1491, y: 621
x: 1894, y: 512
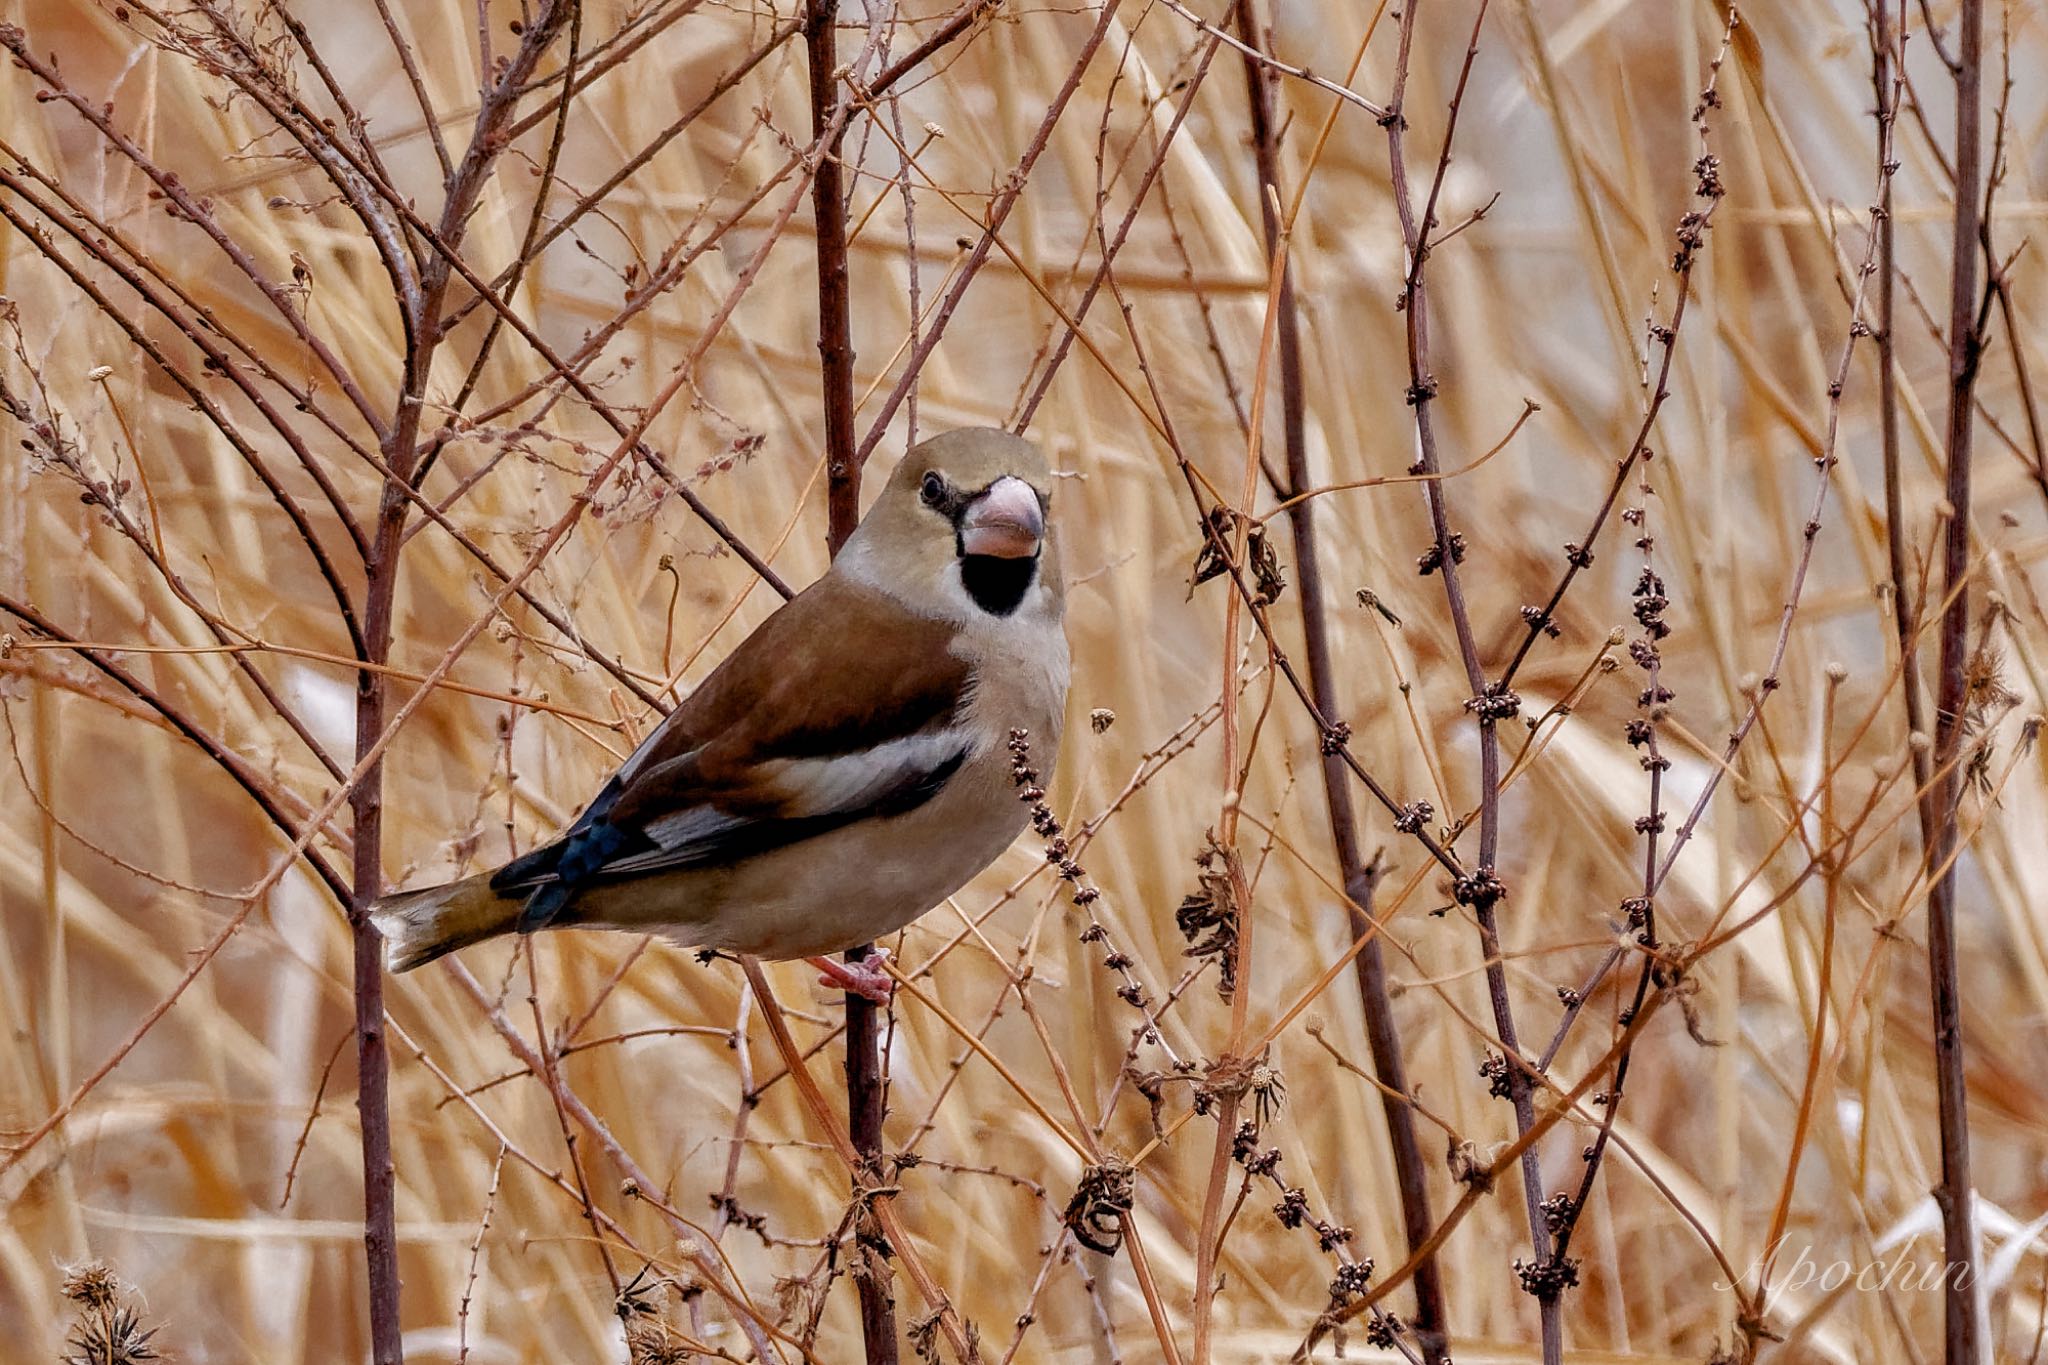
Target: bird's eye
x: 933, y: 490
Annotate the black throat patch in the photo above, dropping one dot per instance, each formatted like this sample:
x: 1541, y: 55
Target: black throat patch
x: 997, y: 585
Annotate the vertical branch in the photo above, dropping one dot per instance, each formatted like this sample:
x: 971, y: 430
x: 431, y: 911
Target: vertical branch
x: 1359, y: 877
x: 1563, y: 1211
x: 835, y: 340
x: 366, y: 806
x: 865, y: 1099
x: 1905, y: 605
x: 1955, y: 1194
x: 420, y: 311
x: 1489, y: 702
x: 1208, y: 1243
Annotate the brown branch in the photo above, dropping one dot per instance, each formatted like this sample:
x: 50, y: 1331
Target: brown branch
x: 843, y: 462
x: 1657, y: 965
x: 1566, y: 1211
x: 1253, y: 53
x: 246, y: 778
x: 375, y: 202
x: 1360, y: 876
x: 1835, y: 853
x: 408, y: 60
x: 1955, y: 1195
x: 1905, y: 605
x: 198, y: 324
x: 717, y: 1274
x: 50, y: 439
x: 527, y: 249
x: 885, y: 1211
x: 1488, y: 702
x: 352, y: 117
x: 1480, y: 1184
x: 175, y: 192
x: 255, y: 72
x: 383, y: 572
x: 551, y: 1077
x: 634, y: 433
x: 633, y: 164
x: 866, y: 1078
x: 95, y: 235
x: 607, y: 57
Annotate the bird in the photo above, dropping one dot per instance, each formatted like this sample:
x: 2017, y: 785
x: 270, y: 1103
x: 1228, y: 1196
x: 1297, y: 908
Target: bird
x: 842, y: 771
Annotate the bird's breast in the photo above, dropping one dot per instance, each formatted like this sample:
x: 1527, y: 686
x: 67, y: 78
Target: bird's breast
x: 1020, y: 672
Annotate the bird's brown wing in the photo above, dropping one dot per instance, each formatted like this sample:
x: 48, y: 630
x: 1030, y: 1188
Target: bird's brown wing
x: 841, y: 705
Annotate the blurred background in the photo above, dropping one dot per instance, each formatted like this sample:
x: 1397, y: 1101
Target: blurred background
x: 170, y: 186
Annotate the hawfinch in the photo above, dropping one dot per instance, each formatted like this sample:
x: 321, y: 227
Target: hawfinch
x: 845, y: 770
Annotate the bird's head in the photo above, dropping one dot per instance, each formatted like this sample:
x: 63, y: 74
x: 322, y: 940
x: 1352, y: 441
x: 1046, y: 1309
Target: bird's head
x: 961, y: 528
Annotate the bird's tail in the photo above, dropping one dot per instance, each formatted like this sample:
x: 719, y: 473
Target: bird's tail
x: 419, y: 926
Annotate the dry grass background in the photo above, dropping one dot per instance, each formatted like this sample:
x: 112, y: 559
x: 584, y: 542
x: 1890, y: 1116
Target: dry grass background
x: 125, y: 849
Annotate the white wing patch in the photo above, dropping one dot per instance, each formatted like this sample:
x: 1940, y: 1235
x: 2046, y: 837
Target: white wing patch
x: 848, y: 782
x: 812, y: 788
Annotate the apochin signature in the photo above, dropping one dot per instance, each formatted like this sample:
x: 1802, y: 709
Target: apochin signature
x: 1903, y: 1272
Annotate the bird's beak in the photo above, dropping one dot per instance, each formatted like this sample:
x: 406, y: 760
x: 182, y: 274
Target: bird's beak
x: 1004, y: 522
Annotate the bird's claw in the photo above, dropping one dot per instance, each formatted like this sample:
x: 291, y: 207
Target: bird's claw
x: 865, y: 978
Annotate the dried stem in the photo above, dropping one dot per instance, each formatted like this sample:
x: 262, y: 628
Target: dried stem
x: 1489, y: 703
x: 1360, y: 878
x: 885, y: 1214
x: 1956, y: 1195
x: 866, y: 1080
x: 1904, y: 601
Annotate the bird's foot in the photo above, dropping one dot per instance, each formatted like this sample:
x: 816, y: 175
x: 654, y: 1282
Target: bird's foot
x: 864, y: 978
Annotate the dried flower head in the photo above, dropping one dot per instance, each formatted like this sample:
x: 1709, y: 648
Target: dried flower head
x: 651, y: 1341
x: 1095, y: 1215
x: 1207, y: 916
x: 92, y: 1286
x: 1268, y: 579
x: 107, y: 1331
